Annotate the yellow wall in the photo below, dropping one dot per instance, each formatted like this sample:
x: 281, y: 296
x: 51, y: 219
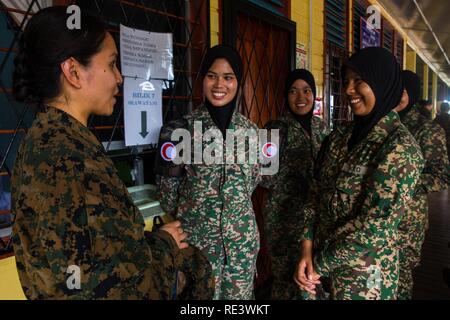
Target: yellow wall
x: 10, y: 288
x: 214, y: 21
x: 411, y: 59
x: 300, y: 15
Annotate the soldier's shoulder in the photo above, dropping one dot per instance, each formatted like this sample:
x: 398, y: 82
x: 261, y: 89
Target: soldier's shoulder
x: 403, y: 144
x: 276, y: 124
x: 245, y: 122
x: 50, y: 144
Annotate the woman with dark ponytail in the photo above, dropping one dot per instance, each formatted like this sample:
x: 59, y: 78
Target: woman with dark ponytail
x: 77, y: 233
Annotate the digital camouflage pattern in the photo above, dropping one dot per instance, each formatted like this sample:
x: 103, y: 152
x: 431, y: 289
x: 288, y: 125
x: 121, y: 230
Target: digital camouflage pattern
x: 444, y: 121
x: 358, y: 201
x: 71, y: 209
x: 434, y: 178
x: 213, y: 202
x: 287, y: 193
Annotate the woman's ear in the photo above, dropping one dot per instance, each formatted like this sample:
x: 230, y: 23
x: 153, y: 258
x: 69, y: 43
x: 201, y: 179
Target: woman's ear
x: 71, y: 71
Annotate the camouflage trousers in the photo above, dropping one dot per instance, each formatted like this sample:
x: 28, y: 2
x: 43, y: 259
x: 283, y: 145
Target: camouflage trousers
x: 162, y: 282
x: 283, y: 286
x: 234, y: 273
x: 360, y: 282
x: 378, y: 281
x: 411, y: 237
x: 283, y: 229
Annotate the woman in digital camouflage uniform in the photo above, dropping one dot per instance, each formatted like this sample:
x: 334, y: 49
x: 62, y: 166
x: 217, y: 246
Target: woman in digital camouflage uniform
x: 302, y: 135
x: 213, y: 199
x: 365, y: 175
x: 77, y: 233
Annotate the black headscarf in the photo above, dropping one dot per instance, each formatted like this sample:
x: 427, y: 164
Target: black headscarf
x: 411, y: 83
x: 294, y: 75
x: 380, y: 70
x: 222, y: 115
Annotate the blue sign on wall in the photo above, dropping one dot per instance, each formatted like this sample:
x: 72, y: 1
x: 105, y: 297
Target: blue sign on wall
x: 370, y: 37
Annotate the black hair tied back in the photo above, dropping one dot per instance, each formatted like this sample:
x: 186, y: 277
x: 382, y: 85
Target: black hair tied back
x: 47, y: 42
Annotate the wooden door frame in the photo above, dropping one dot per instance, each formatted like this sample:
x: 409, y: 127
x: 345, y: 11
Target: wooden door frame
x: 231, y: 10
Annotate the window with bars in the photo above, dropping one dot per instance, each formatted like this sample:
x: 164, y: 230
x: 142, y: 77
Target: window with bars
x: 279, y: 7
x: 336, y: 53
x: 359, y: 11
x: 338, y: 109
x: 387, y: 37
x: 336, y: 22
x: 398, y: 47
x: 188, y: 21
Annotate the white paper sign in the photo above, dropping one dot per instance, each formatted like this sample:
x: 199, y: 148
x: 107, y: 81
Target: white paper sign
x: 143, y: 111
x: 146, y: 55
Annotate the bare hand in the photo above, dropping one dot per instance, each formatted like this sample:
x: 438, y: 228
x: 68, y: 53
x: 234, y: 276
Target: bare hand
x: 305, y: 276
x: 177, y: 233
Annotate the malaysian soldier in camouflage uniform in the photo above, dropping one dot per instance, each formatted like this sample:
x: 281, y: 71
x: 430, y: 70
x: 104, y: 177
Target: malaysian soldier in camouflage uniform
x: 77, y: 233
x: 434, y: 178
x: 288, y: 189
x: 365, y: 175
x: 213, y: 200
x: 443, y: 119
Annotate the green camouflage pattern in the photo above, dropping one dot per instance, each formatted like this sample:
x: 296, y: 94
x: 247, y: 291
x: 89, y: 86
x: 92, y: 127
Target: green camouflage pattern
x: 443, y: 120
x: 356, y: 204
x: 213, y: 202
x: 434, y: 178
x: 72, y: 209
x: 288, y: 191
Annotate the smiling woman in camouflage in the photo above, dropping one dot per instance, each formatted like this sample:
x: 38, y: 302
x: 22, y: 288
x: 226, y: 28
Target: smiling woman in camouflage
x: 213, y: 200
x: 77, y: 233
x: 303, y: 134
x: 365, y: 175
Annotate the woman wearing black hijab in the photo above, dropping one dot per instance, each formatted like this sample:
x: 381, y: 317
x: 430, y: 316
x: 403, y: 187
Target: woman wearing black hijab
x: 212, y: 199
x: 303, y: 135
x: 365, y: 175
x: 434, y: 178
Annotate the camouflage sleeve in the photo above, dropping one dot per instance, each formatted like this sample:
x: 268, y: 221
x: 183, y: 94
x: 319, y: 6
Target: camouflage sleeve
x: 309, y: 210
x: 435, y: 176
x: 64, y: 232
x: 168, y: 193
x: 390, y: 187
x: 257, y: 176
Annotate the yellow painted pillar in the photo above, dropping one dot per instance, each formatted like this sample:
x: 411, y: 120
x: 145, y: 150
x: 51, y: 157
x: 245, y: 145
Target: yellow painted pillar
x: 434, y: 92
x: 425, y: 82
x: 405, y: 48
x: 214, y: 22
x: 411, y: 59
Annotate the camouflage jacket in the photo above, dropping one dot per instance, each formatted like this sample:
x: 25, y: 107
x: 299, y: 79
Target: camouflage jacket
x: 297, y: 160
x: 431, y: 139
x: 359, y: 197
x: 444, y: 122
x: 213, y: 201
x: 74, y: 219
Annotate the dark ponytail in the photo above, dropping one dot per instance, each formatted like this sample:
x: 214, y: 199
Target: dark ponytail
x: 45, y: 43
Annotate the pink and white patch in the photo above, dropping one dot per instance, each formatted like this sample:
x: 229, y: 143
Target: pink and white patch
x: 168, y: 151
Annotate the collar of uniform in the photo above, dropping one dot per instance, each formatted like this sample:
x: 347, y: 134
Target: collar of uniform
x: 52, y: 114
x: 202, y: 114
